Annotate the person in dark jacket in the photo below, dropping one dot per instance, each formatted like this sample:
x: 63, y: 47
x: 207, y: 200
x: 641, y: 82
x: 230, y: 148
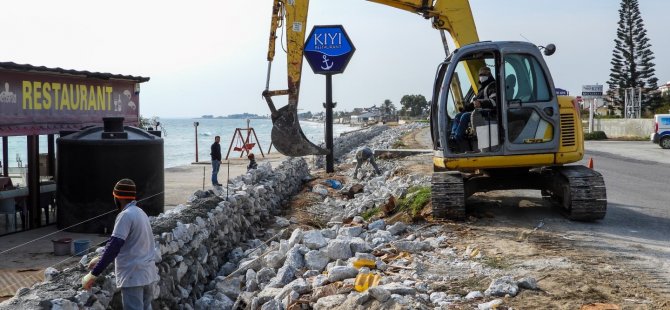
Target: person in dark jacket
x: 252, y: 162
x: 216, y: 160
x: 485, y: 99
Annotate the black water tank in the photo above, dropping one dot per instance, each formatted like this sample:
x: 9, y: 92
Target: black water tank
x: 91, y: 161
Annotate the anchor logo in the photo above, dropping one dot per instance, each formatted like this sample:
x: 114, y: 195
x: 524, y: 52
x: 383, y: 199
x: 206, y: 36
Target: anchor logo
x: 327, y: 64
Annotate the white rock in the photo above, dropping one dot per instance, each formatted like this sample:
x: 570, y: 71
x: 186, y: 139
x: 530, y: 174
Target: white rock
x: 474, y: 295
x: 353, y: 231
x: 272, y: 304
x: 319, y: 280
x: 282, y: 222
x: 378, y: 224
x: 379, y: 293
x: 493, y: 304
x: 316, y: 260
x: 265, y: 275
x: 296, y: 237
x: 229, y: 287
x: 294, y: 258
x: 341, y: 272
x: 300, y: 286
x: 411, y: 246
x: 338, y: 249
x: 330, y: 302
x: 437, y: 297
x: 502, y: 286
x: 50, y: 273
x: 400, y: 289
x: 284, y: 276
x: 63, y: 304
x: 314, y: 240
x: 396, y: 228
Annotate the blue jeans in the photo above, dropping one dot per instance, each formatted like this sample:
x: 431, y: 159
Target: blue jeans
x: 460, y: 125
x: 215, y: 171
x: 137, y: 297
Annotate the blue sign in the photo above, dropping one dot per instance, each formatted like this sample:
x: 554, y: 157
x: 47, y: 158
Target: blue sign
x: 328, y: 49
x: 562, y: 92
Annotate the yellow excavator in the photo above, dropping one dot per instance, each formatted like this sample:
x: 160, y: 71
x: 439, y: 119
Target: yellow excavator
x: 523, y: 139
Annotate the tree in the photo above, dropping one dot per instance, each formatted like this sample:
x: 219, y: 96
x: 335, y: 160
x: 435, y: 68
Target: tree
x: 388, y: 109
x: 632, y: 57
x: 413, y: 105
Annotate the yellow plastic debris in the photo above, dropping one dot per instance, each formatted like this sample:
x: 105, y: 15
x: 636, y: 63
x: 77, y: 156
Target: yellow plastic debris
x: 363, y: 262
x: 365, y: 281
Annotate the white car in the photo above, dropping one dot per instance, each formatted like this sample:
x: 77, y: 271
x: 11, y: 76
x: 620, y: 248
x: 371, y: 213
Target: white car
x: 661, y: 134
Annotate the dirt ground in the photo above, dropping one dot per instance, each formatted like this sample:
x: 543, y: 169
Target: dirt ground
x: 571, y: 274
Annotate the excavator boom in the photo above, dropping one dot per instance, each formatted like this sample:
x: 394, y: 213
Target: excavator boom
x: 453, y: 16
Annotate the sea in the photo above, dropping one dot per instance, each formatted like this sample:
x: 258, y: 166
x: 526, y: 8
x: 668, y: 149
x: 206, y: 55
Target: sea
x: 179, y: 136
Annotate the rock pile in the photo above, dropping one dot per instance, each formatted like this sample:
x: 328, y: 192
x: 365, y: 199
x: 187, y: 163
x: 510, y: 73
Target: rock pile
x: 192, y: 244
x: 318, y: 269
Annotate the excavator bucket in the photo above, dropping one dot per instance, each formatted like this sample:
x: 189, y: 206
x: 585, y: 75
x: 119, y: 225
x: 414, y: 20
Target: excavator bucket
x: 287, y: 136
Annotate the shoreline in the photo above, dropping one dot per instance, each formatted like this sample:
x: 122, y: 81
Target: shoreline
x: 182, y: 181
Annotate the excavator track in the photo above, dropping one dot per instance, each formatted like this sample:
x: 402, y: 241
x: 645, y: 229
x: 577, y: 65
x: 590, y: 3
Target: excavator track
x: 579, y: 192
x: 448, y: 195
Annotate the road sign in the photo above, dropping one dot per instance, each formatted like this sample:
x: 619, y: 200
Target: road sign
x: 328, y: 49
x: 592, y: 90
x: 562, y: 92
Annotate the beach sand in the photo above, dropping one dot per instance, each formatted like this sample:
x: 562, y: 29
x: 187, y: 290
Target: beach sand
x: 182, y: 181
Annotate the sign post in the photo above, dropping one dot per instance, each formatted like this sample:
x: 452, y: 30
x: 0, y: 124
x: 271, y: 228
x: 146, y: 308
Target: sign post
x: 591, y: 93
x: 328, y: 50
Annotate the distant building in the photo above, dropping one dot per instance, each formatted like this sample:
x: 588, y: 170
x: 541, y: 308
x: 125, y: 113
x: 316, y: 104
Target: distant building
x: 664, y: 89
x: 366, y: 118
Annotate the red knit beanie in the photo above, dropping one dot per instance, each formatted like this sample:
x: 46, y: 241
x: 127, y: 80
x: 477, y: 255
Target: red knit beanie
x: 125, y: 189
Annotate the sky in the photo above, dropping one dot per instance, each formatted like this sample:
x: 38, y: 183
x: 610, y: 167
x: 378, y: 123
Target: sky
x: 209, y: 56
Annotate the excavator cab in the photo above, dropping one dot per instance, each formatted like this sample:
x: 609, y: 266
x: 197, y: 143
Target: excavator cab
x: 524, y: 117
x: 522, y: 141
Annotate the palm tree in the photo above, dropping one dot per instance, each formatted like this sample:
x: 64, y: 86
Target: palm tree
x: 387, y: 109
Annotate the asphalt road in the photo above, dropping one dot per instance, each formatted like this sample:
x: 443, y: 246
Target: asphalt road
x: 637, y: 225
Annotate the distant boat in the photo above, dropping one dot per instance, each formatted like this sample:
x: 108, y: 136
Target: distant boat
x: 206, y: 134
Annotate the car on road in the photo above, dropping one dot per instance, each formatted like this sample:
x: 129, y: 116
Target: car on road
x: 661, y: 134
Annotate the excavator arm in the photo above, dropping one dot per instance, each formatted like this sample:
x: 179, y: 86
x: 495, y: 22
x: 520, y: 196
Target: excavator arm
x: 452, y: 16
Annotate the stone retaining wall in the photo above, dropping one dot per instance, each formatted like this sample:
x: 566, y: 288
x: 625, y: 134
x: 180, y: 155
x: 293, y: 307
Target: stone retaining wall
x: 192, y: 243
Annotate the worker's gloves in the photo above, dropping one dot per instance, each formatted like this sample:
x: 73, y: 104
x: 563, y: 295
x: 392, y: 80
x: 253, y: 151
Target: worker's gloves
x: 87, y: 281
x: 93, y: 262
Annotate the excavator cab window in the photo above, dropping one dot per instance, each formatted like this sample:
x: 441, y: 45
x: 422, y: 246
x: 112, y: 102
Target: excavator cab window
x: 528, y: 95
x: 464, y: 120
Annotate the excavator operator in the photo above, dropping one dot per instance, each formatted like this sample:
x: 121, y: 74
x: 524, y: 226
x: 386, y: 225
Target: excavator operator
x: 485, y: 99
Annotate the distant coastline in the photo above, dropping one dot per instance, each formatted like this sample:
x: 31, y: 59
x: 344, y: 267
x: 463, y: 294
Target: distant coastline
x: 234, y: 116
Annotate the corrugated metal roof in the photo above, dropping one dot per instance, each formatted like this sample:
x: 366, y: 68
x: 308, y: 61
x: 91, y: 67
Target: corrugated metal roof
x: 88, y: 74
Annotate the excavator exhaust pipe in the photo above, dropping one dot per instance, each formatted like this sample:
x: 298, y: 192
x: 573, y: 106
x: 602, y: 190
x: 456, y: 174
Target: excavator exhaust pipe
x: 287, y: 136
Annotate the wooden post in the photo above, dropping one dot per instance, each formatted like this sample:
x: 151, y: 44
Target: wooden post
x: 259, y: 143
x: 196, y: 140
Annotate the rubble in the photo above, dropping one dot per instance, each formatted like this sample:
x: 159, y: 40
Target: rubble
x: 211, y: 259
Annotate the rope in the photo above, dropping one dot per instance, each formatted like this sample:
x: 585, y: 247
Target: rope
x: 82, y: 222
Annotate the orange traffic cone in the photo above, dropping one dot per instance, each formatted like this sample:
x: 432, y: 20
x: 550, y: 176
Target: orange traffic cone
x: 590, y: 164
